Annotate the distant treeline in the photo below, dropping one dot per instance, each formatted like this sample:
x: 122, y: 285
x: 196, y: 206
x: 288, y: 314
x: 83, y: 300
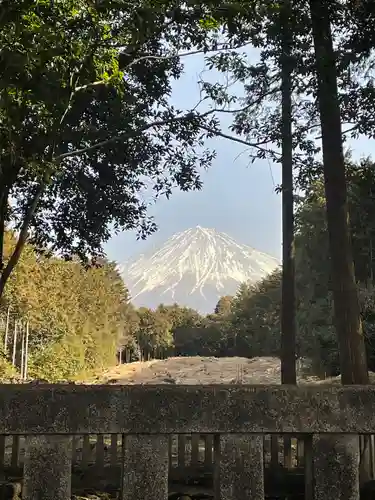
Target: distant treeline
x: 248, y: 324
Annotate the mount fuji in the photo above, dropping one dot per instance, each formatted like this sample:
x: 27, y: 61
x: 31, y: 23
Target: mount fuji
x: 194, y: 268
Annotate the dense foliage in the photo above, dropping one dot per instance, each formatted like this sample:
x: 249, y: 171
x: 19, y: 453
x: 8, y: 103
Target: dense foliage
x: 76, y: 315
x: 88, y: 135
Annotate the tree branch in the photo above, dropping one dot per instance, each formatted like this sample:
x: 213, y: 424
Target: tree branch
x: 143, y: 57
x: 125, y: 135
x: 343, y: 132
x: 257, y: 145
x: 159, y: 123
x: 135, y: 61
x: 90, y: 85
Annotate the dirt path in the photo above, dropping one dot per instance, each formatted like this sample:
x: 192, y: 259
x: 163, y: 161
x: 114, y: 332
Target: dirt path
x: 204, y: 370
x: 196, y: 370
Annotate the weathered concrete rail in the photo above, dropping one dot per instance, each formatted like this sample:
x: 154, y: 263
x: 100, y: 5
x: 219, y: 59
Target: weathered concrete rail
x: 239, y: 416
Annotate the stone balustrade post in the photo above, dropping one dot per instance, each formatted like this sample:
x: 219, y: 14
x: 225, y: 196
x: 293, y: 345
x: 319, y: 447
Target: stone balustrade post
x: 145, y: 467
x: 335, y: 466
x: 47, y: 468
x: 239, y: 463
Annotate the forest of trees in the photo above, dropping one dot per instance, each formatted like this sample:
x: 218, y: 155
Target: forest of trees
x: 76, y: 315
x: 80, y: 317
x: 249, y: 324
x: 87, y: 129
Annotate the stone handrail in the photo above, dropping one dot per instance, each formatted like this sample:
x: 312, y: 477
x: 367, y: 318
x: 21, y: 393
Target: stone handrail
x: 239, y: 416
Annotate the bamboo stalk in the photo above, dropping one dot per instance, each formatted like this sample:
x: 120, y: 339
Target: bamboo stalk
x: 14, y: 343
x: 26, y: 351
x: 6, y: 331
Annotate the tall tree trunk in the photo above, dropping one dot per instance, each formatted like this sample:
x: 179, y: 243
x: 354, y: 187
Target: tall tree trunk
x: 7, y: 270
x: 3, y: 209
x: 288, y: 320
x: 346, y: 306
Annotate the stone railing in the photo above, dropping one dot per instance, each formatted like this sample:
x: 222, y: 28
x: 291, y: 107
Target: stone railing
x: 238, y: 416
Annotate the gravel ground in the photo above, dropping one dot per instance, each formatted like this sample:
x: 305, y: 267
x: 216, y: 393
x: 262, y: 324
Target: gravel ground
x: 205, y: 370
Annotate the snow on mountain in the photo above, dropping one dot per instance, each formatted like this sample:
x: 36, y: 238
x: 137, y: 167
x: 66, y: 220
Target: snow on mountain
x: 194, y: 268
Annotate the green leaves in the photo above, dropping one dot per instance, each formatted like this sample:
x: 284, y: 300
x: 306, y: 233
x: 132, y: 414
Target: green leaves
x: 85, y: 114
x: 209, y: 23
x: 77, y: 316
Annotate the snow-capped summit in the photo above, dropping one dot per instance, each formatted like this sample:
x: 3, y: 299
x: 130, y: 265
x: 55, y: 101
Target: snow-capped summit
x: 195, y: 268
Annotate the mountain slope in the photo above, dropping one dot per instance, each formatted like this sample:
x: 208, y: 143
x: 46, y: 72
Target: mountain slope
x: 195, y: 268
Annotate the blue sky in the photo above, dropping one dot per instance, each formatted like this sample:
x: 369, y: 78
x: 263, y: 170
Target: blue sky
x: 237, y: 197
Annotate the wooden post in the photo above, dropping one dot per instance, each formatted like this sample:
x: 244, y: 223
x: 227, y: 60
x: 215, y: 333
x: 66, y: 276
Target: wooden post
x: 365, y: 466
x: 99, y: 458
x: 86, y: 451
x: 300, y: 452
x: 181, y: 445
x: 372, y: 455
x: 15, y: 451
x: 308, y: 466
x: 208, y: 449
x: 274, y: 462
x: 114, y: 439
x: 195, y: 440
x: 170, y: 450
x: 2, y: 455
x: 75, y: 445
x: 287, y: 452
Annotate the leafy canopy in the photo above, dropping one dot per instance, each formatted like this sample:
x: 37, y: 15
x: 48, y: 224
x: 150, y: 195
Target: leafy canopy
x: 87, y: 132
